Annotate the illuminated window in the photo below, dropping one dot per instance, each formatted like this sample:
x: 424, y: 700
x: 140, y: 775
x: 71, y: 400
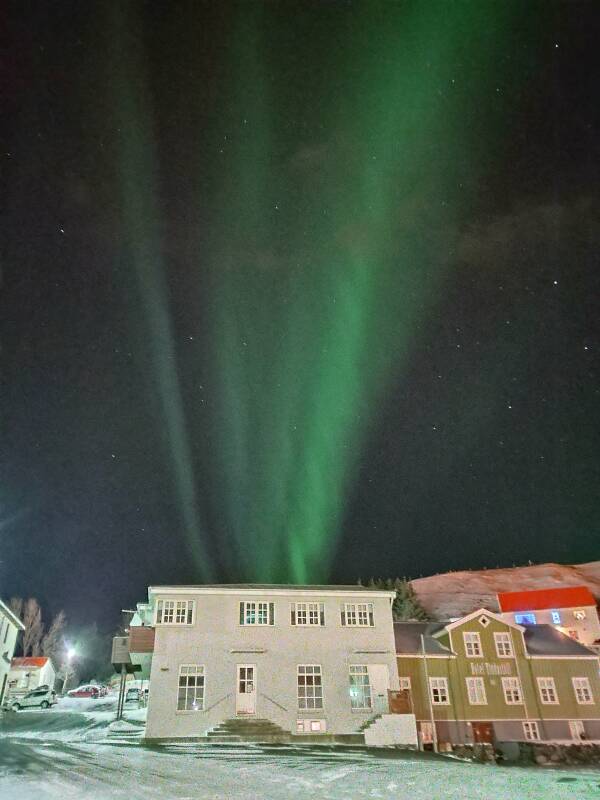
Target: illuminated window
x: 547, y: 690
x: 531, y: 731
x: 503, y: 645
x: 472, y: 644
x: 190, y: 694
x: 555, y: 617
x: 308, y: 614
x: 310, y: 687
x: 513, y: 694
x: 260, y: 613
x: 360, y: 688
x: 476, y: 691
x: 525, y: 619
x: 357, y: 615
x: 175, y: 612
x: 439, y: 691
x: 583, y: 691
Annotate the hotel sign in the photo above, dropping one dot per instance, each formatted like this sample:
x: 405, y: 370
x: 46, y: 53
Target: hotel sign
x: 491, y: 669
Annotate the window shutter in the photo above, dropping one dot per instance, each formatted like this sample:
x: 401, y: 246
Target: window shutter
x: 271, y: 613
x: 242, y: 613
x: 190, y: 611
x: 159, y: 610
x: 322, y: 614
x: 343, y: 615
x: 293, y: 614
x: 371, y: 620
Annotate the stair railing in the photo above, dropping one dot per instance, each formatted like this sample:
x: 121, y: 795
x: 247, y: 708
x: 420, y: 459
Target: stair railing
x: 275, y: 703
x: 225, y: 697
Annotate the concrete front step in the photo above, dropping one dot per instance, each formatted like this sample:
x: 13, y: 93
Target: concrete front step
x: 251, y: 730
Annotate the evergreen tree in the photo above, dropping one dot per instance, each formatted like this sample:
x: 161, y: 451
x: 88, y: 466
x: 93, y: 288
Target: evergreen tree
x: 406, y: 605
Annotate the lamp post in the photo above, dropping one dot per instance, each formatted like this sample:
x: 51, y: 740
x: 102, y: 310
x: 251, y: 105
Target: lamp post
x: 70, y: 656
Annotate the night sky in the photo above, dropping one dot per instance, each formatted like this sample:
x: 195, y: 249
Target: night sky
x: 296, y: 292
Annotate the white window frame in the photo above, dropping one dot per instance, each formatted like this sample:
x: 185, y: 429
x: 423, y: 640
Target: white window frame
x: 504, y: 645
x: 170, y: 611
x: 577, y: 729
x: 197, y: 690
x: 472, y: 641
x: 579, y: 614
x: 531, y: 731
x: 582, y: 687
x: 476, y: 691
x: 513, y: 691
x: 305, y: 614
x: 358, y: 615
x: 306, y: 701
x: 404, y: 683
x: 547, y: 691
x: 439, y: 685
x: 254, y: 613
x: 360, y: 672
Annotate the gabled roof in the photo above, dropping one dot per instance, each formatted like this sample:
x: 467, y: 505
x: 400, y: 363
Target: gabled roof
x: 475, y: 615
x: 539, y: 599
x: 12, y: 617
x: 28, y: 662
x: 409, y: 642
x: 545, y: 640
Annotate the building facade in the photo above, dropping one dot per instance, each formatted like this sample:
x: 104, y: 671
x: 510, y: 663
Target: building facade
x: 570, y: 609
x: 485, y: 679
x: 10, y: 627
x: 311, y: 660
x: 29, y: 672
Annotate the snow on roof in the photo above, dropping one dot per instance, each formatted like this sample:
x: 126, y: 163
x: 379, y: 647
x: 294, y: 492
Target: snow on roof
x: 12, y: 617
x: 271, y: 588
x: 28, y: 662
x: 545, y: 640
x: 538, y: 599
x: 409, y: 641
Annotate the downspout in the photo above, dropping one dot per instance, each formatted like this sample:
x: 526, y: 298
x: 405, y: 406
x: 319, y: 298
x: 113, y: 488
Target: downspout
x: 428, y: 690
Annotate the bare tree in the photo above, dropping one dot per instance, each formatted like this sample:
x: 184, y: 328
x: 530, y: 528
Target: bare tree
x: 16, y: 606
x: 52, y: 643
x: 34, y: 628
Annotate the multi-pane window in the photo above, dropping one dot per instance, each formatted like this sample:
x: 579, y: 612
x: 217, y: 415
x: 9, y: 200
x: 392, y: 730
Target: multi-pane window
x: 308, y: 614
x: 525, y: 619
x: 476, y: 691
x: 404, y: 683
x: 175, y: 612
x: 583, y: 691
x: 531, y: 731
x: 310, y: 686
x: 360, y: 688
x: 555, y: 617
x: 190, y: 694
x: 547, y: 690
x: 472, y: 644
x: 503, y: 645
x: 513, y: 694
x: 357, y: 614
x: 257, y: 613
x: 439, y: 691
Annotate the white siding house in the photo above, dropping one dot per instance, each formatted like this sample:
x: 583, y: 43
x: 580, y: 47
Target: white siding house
x: 27, y: 673
x: 10, y: 626
x: 310, y: 660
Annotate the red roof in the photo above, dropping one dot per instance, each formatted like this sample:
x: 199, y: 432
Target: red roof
x: 29, y: 661
x: 538, y: 599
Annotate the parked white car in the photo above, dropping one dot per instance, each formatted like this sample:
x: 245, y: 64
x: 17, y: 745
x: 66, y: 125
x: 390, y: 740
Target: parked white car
x: 42, y: 697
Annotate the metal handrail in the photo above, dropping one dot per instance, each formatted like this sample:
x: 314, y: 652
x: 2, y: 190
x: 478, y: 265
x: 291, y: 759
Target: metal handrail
x: 275, y: 703
x: 225, y: 697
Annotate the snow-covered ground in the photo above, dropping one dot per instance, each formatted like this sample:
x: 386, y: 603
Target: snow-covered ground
x: 70, y: 753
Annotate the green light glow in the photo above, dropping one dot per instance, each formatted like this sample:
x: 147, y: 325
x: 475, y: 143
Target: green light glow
x: 330, y: 265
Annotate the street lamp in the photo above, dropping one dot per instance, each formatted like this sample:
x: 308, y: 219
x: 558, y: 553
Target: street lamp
x: 71, y: 653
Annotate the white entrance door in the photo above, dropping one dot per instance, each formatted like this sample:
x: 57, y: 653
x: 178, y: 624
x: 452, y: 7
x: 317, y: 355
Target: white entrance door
x: 379, y: 678
x: 245, y: 697
x: 577, y: 729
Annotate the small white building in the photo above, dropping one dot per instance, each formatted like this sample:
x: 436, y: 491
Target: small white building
x: 570, y: 609
x: 305, y: 660
x: 10, y: 626
x: 29, y: 672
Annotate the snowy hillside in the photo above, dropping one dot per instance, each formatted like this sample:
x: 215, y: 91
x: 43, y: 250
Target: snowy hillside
x: 453, y: 594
